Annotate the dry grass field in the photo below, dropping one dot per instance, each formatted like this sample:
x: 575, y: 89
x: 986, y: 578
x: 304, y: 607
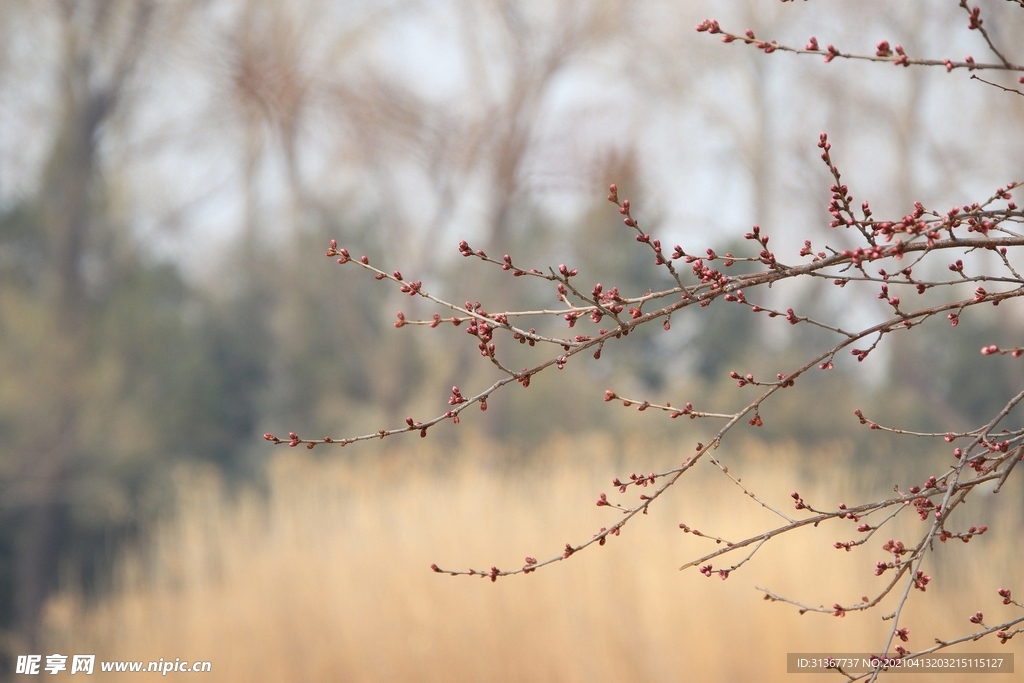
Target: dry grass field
x: 325, y: 575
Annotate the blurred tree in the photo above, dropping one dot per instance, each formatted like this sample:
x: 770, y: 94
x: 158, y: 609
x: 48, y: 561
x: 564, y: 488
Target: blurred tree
x: 98, y: 55
x: 105, y: 356
x: 91, y: 443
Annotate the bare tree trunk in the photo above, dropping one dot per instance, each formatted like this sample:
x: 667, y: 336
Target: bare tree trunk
x: 66, y: 199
